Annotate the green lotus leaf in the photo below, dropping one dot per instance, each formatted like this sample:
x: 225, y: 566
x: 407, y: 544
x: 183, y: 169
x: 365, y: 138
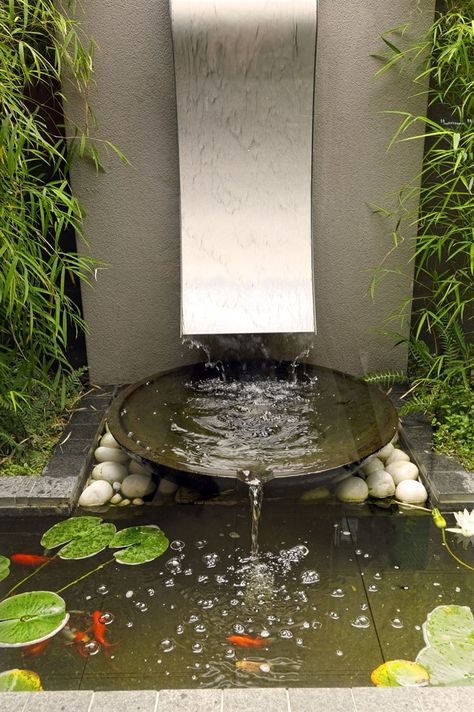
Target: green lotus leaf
x: 447, y: 624
x: 82, y: 536
x: 98, y: 540
x: 449, y: 663
x: 20, y: 681
x: 142, y: 544
x: 69, y: 529
x: 400, y: 673
x: 4, y: 567
x: 30, y: 618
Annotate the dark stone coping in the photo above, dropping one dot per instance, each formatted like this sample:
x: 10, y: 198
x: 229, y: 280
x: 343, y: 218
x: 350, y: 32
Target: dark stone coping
x: 250, y: 699
x: 58, y: 488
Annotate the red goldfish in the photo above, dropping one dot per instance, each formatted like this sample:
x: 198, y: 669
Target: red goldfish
x: 36, y: 648
x: 29, y: 559
x: 99, y: 628
x: 245, y: 641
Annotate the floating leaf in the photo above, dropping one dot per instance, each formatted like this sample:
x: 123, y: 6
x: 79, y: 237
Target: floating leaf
x: 20, y: 681
x: 143, y: 544
x: 4, y: 567
x: 447, y: 624
x: 449, y: 663
x: 82, y: 536
x: 30, y: 618
x: 400, y: 673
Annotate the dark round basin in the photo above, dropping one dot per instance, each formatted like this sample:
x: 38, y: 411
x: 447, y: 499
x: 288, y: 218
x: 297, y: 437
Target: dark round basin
x: 269, y: 418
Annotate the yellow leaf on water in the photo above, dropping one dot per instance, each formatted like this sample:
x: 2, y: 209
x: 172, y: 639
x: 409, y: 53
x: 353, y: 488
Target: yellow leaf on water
x: 400, y: 673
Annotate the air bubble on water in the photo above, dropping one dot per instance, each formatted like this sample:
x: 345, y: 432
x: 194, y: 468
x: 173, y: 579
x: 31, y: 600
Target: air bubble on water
x: 92, y: 648
x: 224, y: 613
x: 346, y: 532
x: 458, y: 589
x: 285, y: 633
x: 220, y: 578
x: 188, y: 572
x: 264, y: 667
x: 169, y: 583
x: 418, y: 627
x: 179, y: 629
x: 316, y: 625
x: 210, y: 560
x: 167, y: 645
x: 364, y: 606
x: 234, y: 535
x: 337, y: 593
x: 197, y: 648
x: 141, y: 606
x: 203, y: 578
x: 334, y: 615
x: 264, y: 633
x: 396, y: 567
x: 296, y: 553
x: 435, y: 583
x: 366, y: 556
x: 193, y: 677
x: 299, y: 641
x: 200, y: 628
x: 229, y: 653
x: 238, y: 628
x: 129, y: 594
x: 200, y: 544
x: 208, y: 603
x: 305, y: 624
x: 396, y: 623
x: 372, y: 588
x: 151, y: 591
x: 378, y: 576
x: 358, y: 552
x: 173, y: 566
x: 107, y: 618
x: 309, y: 576
x: 339, y: 653
x: 102, y: 590
x: 234, y: 602
x: 360, y: 622
x: 193, y: 618
x: 177, y: 545
x: 129, y: 624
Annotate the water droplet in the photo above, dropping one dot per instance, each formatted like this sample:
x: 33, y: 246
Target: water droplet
x: 364, y: 606
x: 435, y: 583
x: 203, y: 578
x: 264, y: 633
x: 296, y: 553
x: 179, y: 629
x: 92, y: 647
x: 306, y: 624
x: 151, y: 591
x: 418, y: 627
x: 173, y: 566
x: 102, y: 590
x: 188, y: 572
x: 372, y: 588
x: 129, y: 594
x: 234, y: 602
x: 309, y: 577
x: 129, y: 624
x: 200, y: 628
x: 264, y: 667
x: 366, y: 556
x: 285, y: 633
x: 234, y: 535
x: 238, y: 628
x: 458, y: 589
x: 334, y: 615
x: 337, y: 593
x: 200, y: 544
x: 208, y: 603
x: 360, y: 622
x: 177, y: 545
x: 339, y: 653
x: 169, y: 583
x: 396, y: 623
x: 141, y: 606
x: 358, y: 552
x: 229, y: 653
x: 197, y: 648
x: 378, y: 576
x: 107, y: 618
x: 220, y: 578
x: 316, y: 625
x: 210, y: 560
x: 167, y: 645
x: 299, y: 641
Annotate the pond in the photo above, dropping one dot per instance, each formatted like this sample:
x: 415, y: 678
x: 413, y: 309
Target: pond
x: 337, y: 590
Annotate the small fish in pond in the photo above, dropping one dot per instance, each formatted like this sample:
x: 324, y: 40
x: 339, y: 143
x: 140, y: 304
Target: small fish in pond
x: 36, y: 648
x: 99, y: 628
x: 246, y: 641
x: 252, y: 666
x: 29, y: 559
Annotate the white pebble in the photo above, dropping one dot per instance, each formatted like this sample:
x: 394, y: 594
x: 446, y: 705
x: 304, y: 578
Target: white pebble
x: 116, y: 486
x: 371, y: 466
x: 386, y: 451
x: 380, y: 484
x: 96, y: 494
x: 110, y: 454
x: 137, y: 486
x: 352, y: 489
x: 109, y: 471
x: 124, y: 502
x: 411, y: 492
x: 136, y: 469
x: 138, y: 501
x: 396, y: 456
x: 401, y: 470
x: 116, y: 499
x: 108, y: 440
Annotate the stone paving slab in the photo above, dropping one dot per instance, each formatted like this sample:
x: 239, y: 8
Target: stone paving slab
x: 250, y: 699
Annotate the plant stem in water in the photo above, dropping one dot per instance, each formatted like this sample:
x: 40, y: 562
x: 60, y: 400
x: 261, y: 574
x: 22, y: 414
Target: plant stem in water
x: 81, y: 578
x: 33, y: 573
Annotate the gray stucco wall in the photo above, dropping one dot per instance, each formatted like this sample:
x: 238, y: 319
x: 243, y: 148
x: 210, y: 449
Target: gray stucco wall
x: 132, y: 221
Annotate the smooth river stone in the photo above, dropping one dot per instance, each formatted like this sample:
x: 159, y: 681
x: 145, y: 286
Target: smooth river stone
x: 397, y: 455
x: 371, y: 466
x: 380, y: 484
x: 136, y: 469
x: 352, y: 489
x: 385, y: 452
x: 108, y: 440
x: 96, y: 494
x: 110, y: 454
x: 110, y: 472
x: 411, y: 492
x: 139, y: 486
x: 401, y: 470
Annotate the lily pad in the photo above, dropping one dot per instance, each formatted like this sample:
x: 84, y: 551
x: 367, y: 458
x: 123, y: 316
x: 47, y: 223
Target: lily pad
x: 82, y: 536
x: 449, y: 663
x: 20, y: 681
x: 448, y: 624
x: 400, y: 673
x: 30, y: 618
x: 143, y: 544
x: 4, y: 567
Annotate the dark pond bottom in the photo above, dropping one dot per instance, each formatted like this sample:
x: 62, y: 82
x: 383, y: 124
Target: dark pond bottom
x: 336, y: 592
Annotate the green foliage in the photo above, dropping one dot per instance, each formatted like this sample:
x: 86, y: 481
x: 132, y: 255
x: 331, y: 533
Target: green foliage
x: 142, y: 544
x: 82, y: 536
x: 439, y: 203
x: 4, y: 567
x: 40, y: 43
x: 400, y: 673
x: 28, y: 434
x: 20, y: 681
x: 31, y: 617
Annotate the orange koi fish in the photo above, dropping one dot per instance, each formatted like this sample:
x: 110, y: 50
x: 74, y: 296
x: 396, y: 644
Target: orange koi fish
x: 245, y: 641
x: 253, y: 666
x: 36, y: 648
x: 29, y: 559
x: 99, y: 629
